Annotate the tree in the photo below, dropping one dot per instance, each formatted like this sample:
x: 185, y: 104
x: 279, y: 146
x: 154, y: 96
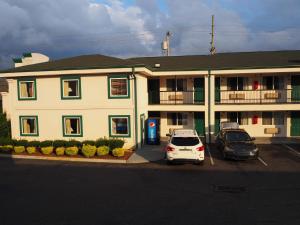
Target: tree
x: 4, y: 126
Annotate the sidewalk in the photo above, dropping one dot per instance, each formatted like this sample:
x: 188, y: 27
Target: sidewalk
x: 148, y: 153
x: 277, y: 140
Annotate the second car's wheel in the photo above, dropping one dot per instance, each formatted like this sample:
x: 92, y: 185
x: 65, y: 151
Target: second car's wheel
x: 169, y: 162
x: 224, y: 155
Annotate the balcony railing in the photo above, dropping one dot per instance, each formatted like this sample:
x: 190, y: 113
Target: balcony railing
x: 257, y: 96
x: 176, y: 97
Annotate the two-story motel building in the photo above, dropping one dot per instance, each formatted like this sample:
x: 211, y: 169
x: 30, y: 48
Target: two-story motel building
x: 88, y: 97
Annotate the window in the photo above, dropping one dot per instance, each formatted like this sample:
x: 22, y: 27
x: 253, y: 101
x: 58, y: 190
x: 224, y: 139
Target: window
x: 240, y: 117
x: 119, y: 126
x: 273, y: 118
x: 176, y: 84
x: 236, y: 83
x: 273, y: 83
x: 278, y: 118
x: 118, y: 87
x: 177, y: 119
x: 70, y: 88
x: 29, y: 126
x: 267, y: 118
x: 72, y: 126
x: 27, y: 89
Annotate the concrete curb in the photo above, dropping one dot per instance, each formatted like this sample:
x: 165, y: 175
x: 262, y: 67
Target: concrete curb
x: 67, y: 159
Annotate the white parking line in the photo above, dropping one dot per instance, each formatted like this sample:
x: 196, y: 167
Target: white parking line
x: 291, y: 149
x: 211, y: 159
x: 262, y: 161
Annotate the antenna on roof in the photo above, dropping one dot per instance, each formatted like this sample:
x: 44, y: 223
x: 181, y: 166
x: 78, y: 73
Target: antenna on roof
x: 165, y: 45
x: 212, y: 42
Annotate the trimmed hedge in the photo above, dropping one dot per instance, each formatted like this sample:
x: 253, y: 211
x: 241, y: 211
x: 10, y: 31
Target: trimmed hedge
x: 111, y: 143
x: 59, y: 143
x: 46, y: 144
x: 102, y: 150
x: 88, y: 150
x: 118, y: 152
x: 19, y: 149
x: 60, y: 151
x: 47, y: 150
x: 31, y: 150
x: 72, y: 150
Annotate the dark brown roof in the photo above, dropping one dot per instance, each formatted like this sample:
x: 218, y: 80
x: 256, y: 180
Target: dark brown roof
x: 3, y: 86
x: 76, y: 63
x: 238, y: 60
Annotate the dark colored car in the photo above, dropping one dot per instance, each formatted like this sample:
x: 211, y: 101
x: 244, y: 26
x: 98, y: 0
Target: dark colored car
x: 236, y: 144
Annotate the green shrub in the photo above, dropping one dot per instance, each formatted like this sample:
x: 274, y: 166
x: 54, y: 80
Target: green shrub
x: 102, y: 142
x: 59, y: 143
x: 34, y: 144
x: 19, y: 149
x: 115, y: 143
x: 60, y: 151
x: 23, y: 143
x: 31, y: 150
x: 88, y: 142
x: 73, y: 143
x: 72, y: 150
x: 5, y: 141
x: 102, y: 150
x: 118, y: 152
x: 6, y: 148
x: 4, y: 126
x: 47, y: 150
x: 88, y: 150
x: 46, y: 144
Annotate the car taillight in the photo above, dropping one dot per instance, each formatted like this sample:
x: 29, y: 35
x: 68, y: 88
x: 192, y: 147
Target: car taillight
x: 169, y: 149
x: 201, y: 148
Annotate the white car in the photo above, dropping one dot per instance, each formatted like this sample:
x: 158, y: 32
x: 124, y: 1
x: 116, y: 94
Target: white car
x: 184, y: 145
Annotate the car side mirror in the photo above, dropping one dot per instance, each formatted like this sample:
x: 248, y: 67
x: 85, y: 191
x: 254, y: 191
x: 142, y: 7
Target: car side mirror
x: 253, y: 139
x: 168, y: 135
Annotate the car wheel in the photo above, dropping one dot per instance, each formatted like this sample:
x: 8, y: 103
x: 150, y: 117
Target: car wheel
x: 169, y: 162
x: 224, y: 155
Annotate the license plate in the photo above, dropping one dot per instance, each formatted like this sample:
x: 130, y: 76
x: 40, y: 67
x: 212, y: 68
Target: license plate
x: 185, y: 149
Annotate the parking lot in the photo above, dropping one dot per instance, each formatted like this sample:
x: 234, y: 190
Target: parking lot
x: 220, y: 192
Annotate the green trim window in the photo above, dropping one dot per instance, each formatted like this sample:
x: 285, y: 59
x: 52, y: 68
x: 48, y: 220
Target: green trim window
x: 118, y: 87
x: 27, y: 89
x: 71, y: 87
x: 72, y: 126
x: 29, y: 126
x: 119, y: 126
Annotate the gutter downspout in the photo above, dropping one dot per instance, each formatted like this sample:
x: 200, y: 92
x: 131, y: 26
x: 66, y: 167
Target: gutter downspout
x: 209, y: 107
x: 135, y: 109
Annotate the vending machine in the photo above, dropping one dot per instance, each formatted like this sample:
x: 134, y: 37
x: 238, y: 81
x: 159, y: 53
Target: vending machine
x: 153, y: 134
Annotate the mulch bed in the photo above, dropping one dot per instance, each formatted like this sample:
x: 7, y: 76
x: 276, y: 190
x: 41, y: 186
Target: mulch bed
x: 109, y: 156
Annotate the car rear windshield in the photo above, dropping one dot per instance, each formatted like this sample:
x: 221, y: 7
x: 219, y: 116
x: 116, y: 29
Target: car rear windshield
x: 237, y: 136
x: 185, y: 141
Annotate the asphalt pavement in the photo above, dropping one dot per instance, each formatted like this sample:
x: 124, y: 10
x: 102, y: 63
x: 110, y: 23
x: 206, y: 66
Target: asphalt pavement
x: 257, y: 192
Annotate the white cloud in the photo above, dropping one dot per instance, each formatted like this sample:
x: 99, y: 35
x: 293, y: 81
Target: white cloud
x: 61, y: 28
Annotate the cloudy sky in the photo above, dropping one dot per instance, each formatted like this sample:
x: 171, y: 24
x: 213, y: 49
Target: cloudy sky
x: 62, y: 28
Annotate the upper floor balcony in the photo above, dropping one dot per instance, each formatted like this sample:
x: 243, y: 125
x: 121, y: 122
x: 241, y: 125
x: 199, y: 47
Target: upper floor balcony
x: 176, y: 97
x: 257, y: 96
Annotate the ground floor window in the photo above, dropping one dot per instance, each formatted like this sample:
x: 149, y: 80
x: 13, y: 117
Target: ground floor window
x: 177, y: 119
x: 119, y: 126
x: 272, y: 118
x: 29, y: 126
x: 240, y: 117
x: 72, y: 126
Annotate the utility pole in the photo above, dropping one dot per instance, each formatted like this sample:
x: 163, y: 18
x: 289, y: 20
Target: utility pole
x: 212, y: 42
x: 165, y: 45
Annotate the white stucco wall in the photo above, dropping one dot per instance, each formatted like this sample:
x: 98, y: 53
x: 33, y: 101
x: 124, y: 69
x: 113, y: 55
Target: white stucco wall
x: 94, y: 107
